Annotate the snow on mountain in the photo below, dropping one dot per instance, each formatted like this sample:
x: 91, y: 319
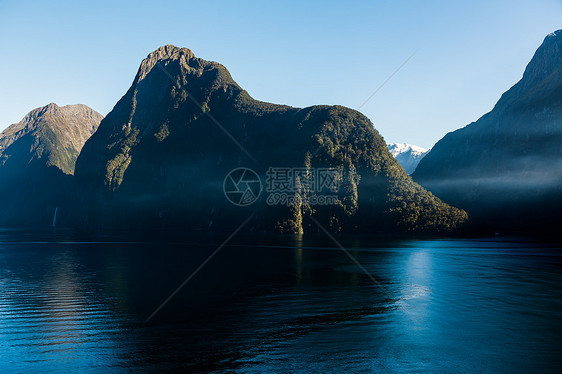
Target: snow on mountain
x: 407, y: 155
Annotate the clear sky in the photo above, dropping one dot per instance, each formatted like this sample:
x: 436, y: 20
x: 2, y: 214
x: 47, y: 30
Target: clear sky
x: 298, y: 53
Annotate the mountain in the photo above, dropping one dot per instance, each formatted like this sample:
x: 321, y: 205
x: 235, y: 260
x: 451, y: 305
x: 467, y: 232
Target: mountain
x: 409, y: 156
x: 162, y: 158
x: 506, y: 168
x: 37, y: 160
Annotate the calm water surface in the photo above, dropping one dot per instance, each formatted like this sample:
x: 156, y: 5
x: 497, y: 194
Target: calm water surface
x: 446, y: 306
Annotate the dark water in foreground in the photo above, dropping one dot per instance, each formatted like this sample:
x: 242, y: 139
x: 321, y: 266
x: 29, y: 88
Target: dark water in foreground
x: 296, y: 306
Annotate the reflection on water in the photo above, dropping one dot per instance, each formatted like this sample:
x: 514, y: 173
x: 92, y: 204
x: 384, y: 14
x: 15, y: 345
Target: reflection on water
x: 298, y: 305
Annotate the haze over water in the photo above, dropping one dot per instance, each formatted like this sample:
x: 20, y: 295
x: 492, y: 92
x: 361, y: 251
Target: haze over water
x: 448, y: 305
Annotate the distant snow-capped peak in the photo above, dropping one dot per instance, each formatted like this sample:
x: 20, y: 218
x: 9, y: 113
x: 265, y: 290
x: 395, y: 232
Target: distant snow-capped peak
x: 407, y: 155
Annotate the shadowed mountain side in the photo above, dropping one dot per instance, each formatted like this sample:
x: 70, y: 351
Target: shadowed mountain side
x: 506, y: 168
x: 160, y: 158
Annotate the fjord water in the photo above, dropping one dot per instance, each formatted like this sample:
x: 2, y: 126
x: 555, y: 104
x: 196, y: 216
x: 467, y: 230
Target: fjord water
x: 279, y: 305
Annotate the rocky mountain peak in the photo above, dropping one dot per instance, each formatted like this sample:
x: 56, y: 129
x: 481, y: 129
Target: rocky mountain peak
x: 56, y: 133
x: 554, y: 34
x: 38, y: 112
x: 170, y: 51
x: 166, y: 54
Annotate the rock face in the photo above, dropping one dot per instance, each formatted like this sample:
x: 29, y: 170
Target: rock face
x: 506, y: 168
x: 160, y: 159
x: 37, y: 160
x: 409, y: 156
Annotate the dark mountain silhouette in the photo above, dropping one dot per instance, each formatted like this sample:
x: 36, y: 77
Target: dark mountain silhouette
x: 160, y: 159
x: 37, y: 160
x: 506, y: 168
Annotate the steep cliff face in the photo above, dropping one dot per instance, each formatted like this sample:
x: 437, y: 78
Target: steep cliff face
x: 37, y: 160
x: 161, y: 156
x: 506, y: 168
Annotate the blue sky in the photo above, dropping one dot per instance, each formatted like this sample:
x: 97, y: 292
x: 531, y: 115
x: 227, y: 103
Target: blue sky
x: 292, y: 52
